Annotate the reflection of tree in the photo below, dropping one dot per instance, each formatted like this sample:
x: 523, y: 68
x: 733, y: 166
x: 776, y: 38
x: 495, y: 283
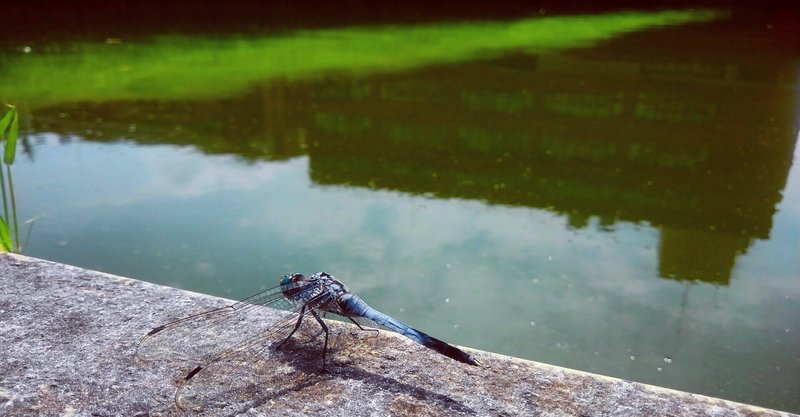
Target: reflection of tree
x: 254, y: 127
x: 700, y: 149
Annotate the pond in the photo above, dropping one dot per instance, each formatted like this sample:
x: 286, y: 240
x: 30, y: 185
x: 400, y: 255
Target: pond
x: 611, y: 192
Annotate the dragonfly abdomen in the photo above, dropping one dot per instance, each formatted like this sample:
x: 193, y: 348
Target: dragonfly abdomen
x: 354, y: 306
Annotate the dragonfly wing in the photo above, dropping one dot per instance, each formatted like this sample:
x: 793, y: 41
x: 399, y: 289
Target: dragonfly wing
x: 239, y: 373
x: 203, y: 336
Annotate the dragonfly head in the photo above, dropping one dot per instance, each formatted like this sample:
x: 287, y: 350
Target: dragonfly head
x: 290, y: 278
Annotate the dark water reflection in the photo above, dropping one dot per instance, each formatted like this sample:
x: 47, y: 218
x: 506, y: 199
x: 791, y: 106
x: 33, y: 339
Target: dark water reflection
x: 621, y: 209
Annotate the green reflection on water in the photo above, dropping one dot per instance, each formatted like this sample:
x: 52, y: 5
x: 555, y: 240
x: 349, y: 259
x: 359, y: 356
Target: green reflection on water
x: 530, y: 137
x: 179, y: 67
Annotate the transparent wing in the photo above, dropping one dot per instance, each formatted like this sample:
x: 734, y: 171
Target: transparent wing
x: 206, y: 335
x: 245, y: 372
x: 239, y: 373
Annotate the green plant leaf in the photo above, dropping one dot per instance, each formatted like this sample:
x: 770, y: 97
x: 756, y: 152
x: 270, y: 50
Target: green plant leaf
x: 5, y: 237
x: 11, y: 141
x: 5, y: 122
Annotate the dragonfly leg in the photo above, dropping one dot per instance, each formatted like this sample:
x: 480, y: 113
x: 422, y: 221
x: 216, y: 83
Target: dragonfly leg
x: 324, y: 328
x: 296, y: 326
x: 359, y: 326
x: 356, y: 323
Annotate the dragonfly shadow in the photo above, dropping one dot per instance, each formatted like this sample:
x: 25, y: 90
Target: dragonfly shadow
x: 394, y: 386
x: 305, y: 359
x: 291, y: 376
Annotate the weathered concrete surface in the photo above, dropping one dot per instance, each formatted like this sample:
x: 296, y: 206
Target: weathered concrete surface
x: 68, y: 337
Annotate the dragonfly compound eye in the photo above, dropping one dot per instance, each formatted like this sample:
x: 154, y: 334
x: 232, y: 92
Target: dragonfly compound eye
x: 289, y: 278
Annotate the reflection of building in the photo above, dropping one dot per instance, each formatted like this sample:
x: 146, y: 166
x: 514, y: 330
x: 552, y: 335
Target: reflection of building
x: 703, y: 159
x: 687, y: 254
x: 698, y: 145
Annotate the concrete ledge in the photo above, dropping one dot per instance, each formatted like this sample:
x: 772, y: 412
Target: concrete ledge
x: 68, y: 337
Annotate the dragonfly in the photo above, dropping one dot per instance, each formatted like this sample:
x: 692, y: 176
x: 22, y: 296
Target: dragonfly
x: 245, y: 329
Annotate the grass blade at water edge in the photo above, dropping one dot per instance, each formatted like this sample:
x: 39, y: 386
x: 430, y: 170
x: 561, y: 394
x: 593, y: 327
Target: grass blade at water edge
x: 5, y: 237
x: 11, y: 141
x: 3, y: 191
x: 4, y: 123
x: 13, y: 205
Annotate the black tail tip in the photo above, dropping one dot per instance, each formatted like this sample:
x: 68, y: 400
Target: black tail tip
x: 471, y: 360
